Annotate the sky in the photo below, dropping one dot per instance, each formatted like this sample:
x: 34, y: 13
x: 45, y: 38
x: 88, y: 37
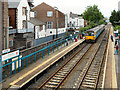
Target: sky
x: 79, y: 6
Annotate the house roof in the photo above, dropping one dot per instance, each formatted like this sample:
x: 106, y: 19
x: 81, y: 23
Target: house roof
x: 13, y: 3
x: 72, y: 15
x: 47, y: 5
x: 36, y: 22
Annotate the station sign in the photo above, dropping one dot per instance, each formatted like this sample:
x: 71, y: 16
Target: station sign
x: 5, y: 51
x: 10, y: 55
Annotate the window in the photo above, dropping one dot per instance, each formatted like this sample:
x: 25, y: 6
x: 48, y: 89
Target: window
x: 49, y: 25
x: 50, y: 32
x: 24, y: 10
x: 24, y: 24
x: 49, y: 13
x: 35, y: 14
x: 11, y: 43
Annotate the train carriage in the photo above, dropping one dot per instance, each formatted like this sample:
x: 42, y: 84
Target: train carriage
x: 93, y: 34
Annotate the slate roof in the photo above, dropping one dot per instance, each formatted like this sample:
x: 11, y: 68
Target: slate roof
x: 36, y: 22
x: 13, y: 3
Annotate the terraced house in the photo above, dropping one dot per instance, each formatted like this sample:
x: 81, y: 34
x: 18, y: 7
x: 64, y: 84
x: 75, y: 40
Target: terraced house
x: 54, y: 19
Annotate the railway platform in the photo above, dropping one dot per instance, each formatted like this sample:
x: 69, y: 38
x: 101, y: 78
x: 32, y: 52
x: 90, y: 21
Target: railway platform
x: 20, y: 79
x: 111, y: 74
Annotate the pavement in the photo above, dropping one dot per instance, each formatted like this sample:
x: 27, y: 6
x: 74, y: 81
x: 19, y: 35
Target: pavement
x: 111, y: 73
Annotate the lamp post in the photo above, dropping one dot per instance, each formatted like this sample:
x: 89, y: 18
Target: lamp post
x: 56, y: 24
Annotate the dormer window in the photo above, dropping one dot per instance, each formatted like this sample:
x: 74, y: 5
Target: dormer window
x: 24, y: 11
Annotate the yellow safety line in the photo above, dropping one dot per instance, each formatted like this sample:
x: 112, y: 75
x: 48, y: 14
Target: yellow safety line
x: 75, y: 44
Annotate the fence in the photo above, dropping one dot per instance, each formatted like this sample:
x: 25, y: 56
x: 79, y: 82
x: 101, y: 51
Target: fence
x: 17, y: 63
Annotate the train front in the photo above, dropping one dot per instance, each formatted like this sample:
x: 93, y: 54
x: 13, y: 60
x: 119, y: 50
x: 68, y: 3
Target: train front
x: 90, y: 36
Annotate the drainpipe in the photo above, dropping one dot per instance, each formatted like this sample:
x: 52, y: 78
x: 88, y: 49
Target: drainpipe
x: 26, y: 20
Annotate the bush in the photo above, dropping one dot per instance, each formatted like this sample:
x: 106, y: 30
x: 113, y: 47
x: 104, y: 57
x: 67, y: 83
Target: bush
x: 117, y: 27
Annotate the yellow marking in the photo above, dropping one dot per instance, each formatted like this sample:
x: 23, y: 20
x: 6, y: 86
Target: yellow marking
x: 71, y: 47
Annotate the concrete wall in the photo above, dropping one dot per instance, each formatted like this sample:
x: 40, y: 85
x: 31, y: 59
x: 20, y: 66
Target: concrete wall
x: 46, y: 39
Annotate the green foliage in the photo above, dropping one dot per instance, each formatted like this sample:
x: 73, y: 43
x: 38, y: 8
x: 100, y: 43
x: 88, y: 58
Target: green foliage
x: 115, y: 17
x: 83, y: 29
x: 117, y: 27
x: 66, y: 34
x: 101, y: 22
x: 92, y: 14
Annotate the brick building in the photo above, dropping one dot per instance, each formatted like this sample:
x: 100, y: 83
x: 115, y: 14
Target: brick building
x: 54, y: 19
x: 0, y: 27
x: 5, y: 36
x: 3, y: 29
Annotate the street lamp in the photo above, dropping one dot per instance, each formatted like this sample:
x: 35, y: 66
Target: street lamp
x: 56, y: 24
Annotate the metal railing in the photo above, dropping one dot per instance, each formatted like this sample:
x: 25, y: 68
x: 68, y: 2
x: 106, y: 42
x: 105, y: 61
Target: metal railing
x: 16, y: 65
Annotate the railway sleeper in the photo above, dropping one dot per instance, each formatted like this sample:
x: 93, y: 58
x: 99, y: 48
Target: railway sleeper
x: 49, y: 86
x: 86, y: 86
x: 52, y: 83
x: 88, y: 83
x: 91, y: 77
x: 88, y: 80
x: 92, y: 74
x: 63, y: 74
x: 57, y: 78
x: 53, y: 80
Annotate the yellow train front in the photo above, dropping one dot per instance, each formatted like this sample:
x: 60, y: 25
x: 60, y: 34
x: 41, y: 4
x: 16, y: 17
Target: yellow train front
x: 92, y: 34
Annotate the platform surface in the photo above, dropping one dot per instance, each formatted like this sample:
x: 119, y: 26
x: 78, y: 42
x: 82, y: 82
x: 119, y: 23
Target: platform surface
x: 110, y: 77
x: 34, y: 69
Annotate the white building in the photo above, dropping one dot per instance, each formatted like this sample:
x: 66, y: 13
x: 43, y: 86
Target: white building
x: 21, y: 10
x: 75, y: 21
x: 39, y: 28
x: 21, y: 32
x: 119, y: 6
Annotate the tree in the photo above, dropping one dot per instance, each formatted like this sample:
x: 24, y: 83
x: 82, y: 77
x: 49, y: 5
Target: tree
x: 93, y: 14
x: 115, y: 17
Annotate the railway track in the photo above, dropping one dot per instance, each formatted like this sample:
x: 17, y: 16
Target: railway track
x: 56, y: 79
x: 90, y: 74
x: 89, y: 78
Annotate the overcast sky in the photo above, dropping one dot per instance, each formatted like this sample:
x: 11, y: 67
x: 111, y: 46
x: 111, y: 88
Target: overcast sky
x: 78, y: 6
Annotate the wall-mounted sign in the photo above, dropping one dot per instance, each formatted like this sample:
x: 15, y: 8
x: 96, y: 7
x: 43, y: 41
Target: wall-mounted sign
x: 5, y: 51
x: 10, y: 55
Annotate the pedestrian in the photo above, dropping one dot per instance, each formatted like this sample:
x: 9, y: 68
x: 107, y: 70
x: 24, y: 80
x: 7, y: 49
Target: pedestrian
x: 116, y: 42
x: 76, y: 39
x: 81, y: 37
x: 112, y: 38
x: 116, y: 50
x: 66, y: 42
x: 82, y: 34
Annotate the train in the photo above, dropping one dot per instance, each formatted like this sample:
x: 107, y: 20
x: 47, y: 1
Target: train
x: 92, y: 34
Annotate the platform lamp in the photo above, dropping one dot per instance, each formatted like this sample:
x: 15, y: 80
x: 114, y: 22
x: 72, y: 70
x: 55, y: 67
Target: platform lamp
x: 56, y: 23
